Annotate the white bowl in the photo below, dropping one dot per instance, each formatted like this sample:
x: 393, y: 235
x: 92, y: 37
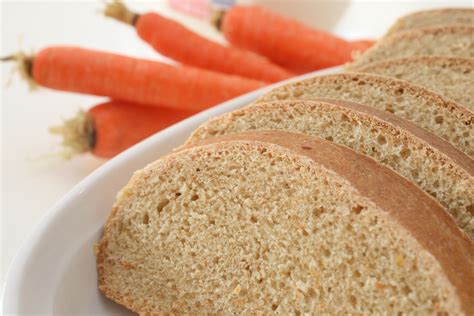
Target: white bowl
x: 54, y: 272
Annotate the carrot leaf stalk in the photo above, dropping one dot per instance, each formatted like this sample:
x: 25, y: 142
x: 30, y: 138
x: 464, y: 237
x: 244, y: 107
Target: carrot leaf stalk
x: 24, y: 66
x: 77, y: 134
x: 216, y: 18
x: 117, y: 10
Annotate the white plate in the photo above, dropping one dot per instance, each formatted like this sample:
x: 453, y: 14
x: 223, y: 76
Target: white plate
x: 54, y: 272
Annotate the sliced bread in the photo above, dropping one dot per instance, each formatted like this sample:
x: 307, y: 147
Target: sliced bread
x: 436, y: 17
x: 442, y: 117
x: 281, y: 223
x: 436, y: 166
x: 452, y: 77
x: 456, y: 40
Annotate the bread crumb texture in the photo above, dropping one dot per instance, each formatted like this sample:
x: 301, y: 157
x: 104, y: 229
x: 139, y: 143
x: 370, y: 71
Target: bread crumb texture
x: 441, y: 40
x: 435, y: 17
x: 452, y: 77
x: 442, y: 117
x: 388, y: 144
x: 246, y: 228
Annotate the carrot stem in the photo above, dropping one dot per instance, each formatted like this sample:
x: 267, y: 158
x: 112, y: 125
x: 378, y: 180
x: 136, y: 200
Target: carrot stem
x: 77, y: 133
x: 216, y: 18
x: 109, y: 128
x: 119, y: 11
x: 8, y: 58
x: 24, y: 66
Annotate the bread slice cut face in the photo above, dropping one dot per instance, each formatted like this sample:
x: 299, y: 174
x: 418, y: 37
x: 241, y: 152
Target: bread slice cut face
x: 451, y: 40
x: 274, y: 222
x: 440, y: 116
x: 452, y: 77
x: 437, y: 167
x: 435, y: 17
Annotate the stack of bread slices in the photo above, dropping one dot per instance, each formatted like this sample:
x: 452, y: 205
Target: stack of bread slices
x: 350, y: 193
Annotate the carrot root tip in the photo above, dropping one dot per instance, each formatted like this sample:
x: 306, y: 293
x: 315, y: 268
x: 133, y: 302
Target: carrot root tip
x: 78, y: 134
x: 117, y: 10
x: 24, y: 66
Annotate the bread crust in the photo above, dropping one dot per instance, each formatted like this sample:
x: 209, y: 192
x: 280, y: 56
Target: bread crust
x: 459, y: 168
x: 406, y: 128
x: 388, y: 43
x: 467, y: 16
x: 461, y: 67
x: 412, y: 208
x: 460, y: 115
x: 448, y: 61
x: 400, y: 199
x: 446, y: 152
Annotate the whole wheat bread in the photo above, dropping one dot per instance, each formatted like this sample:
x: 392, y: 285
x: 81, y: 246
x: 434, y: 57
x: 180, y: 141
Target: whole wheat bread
x: 440, y: 116
x: 452, y: 77
x: 274, y: 222
x: 436, y: 166
x: 435, y: 17
x: 456, y: 40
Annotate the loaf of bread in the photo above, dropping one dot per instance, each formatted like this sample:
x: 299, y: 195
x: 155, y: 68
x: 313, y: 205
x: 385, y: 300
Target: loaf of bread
x: 456, y: 40
x: 436, y: 166
x: 274, y: 222
x: 436, y: 17
x: 416, y: 104
x: 452, y: 77
x: 345, y: 194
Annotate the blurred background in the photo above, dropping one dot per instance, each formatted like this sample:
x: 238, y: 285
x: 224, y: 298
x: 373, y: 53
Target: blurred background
x: 34, y: 174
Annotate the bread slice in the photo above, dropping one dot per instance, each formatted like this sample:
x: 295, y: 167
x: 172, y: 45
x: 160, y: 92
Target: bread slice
x: 280, y: 223
x: 457, y: 40
x: 416, y: 104
x: 436, y: 166
x: 452, y: 77
x: 436, y: 17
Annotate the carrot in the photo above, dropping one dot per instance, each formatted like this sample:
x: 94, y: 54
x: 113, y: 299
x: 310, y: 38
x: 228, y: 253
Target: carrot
x: 109, y: 128
x: 284, y: 41
x: 131, y: 79
x: 179, y: 43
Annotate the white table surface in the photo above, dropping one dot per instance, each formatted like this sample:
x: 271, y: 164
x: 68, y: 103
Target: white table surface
x: 34, y: 176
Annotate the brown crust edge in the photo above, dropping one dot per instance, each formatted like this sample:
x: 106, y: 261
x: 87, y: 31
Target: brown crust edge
x: 415, y: 215
x: 444, y: 151
x: 385, y: 43
x: 433, y: 228
x: 420, y: 14
x: 466, y: 115
x: 451, y: 62
x: 462, y: 114
x: 426, y: 59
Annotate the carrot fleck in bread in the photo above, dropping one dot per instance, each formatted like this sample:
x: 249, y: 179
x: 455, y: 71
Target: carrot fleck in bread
x: 274, y: 222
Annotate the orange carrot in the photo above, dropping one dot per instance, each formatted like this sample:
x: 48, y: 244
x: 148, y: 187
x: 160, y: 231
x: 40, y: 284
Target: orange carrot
x: 109, y: 128
x: 131, y: 79
x: 284, y: 41
x: 179, y: 43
